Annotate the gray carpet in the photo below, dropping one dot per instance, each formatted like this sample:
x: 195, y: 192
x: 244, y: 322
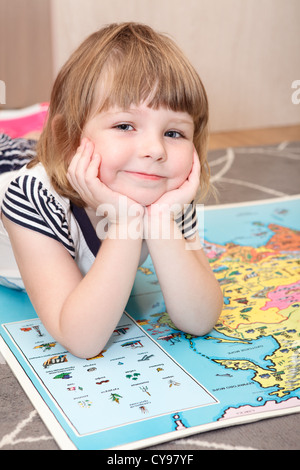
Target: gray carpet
x: 241, y: 174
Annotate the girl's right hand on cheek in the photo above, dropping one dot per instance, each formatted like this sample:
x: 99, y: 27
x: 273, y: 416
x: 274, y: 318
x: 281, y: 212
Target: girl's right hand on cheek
x: 77, y: 171
x: 84, y: 176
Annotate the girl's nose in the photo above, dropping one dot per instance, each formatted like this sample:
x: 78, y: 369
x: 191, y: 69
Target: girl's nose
x: 153, y: 148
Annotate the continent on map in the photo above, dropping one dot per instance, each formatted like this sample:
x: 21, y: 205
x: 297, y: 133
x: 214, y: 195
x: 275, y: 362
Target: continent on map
x: 261, y: 288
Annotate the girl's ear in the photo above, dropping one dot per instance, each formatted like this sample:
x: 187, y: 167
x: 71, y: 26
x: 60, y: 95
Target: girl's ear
x: 64, y: 139
x: 56, y: 125
x: 62, y: 143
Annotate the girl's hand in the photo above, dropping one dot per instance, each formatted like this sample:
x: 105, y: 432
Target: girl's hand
x: 173, y: 201
x: 84, y: 176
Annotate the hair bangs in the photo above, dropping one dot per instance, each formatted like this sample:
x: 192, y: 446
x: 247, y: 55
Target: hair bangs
x: 151, y: 73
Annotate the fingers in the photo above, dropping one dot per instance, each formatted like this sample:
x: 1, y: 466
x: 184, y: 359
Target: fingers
x: 80, y: 158
x: 193, y: 179
x: 192, y: 182
x: 83, y: 168
x: 195, y: 171
x: 92, y: 170
x: 92, y: 179
x: 185, y: 193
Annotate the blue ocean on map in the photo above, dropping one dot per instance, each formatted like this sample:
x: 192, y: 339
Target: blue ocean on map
x: 226, y: 384
x: 250, y: 222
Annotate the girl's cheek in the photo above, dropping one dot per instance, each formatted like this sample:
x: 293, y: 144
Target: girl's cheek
x: 104, y: 174
x: 186, y: 169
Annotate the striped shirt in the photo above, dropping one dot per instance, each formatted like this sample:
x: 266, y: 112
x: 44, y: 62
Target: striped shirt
x: 28, y: 199
x: 29, y: 203
x: 14, y: 153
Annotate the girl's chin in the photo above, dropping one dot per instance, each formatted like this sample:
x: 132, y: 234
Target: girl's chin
x: 144, y: 201
x: 142, y: 198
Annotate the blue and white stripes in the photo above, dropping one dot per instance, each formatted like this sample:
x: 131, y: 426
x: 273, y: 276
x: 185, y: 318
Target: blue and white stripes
x: 15, y: 153
x: 28, y: 203
x: 187, y: 220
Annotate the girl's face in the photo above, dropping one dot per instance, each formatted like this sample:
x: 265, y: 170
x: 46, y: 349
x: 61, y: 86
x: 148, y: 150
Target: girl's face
x: 145, y: 152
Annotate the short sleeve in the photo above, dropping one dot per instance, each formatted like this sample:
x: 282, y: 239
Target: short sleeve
x: 29, y: 204
x: 187, y: 221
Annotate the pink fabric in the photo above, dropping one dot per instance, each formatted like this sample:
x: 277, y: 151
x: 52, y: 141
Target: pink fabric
x: 19, y: 123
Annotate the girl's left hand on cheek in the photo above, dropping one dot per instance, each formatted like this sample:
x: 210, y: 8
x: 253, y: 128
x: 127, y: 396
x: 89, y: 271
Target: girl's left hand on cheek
x: 174, y: 200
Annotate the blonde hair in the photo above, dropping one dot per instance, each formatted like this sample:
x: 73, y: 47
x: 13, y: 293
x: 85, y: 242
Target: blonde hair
x: 131, y: 63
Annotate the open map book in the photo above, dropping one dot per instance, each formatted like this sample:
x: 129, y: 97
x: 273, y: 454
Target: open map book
x: 153, y: 383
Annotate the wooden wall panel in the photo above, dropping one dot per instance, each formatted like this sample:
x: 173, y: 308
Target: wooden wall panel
x: 25, y: 51
x: 246, y: 51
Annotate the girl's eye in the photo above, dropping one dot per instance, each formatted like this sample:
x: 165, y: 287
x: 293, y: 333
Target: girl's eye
x: 124, y: 127
x: 174, y: 134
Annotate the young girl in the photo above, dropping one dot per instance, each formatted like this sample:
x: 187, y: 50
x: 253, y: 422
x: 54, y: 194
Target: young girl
x: 124, y: 141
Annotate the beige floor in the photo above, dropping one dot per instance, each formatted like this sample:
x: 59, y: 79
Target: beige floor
x: 252, y: 137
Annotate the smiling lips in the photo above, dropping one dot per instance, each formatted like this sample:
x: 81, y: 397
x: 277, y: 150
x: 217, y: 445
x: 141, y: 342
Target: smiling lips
x: 146, y: 176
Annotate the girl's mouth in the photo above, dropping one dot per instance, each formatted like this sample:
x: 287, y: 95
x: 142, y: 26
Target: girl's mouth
x: 146, y: 176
